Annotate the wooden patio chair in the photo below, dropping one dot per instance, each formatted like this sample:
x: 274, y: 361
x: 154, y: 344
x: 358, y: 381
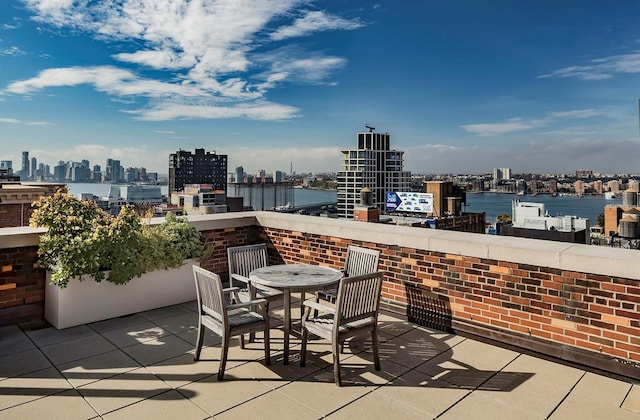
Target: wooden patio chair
x: 242, y: 261
x: 225, y: 319
x: 359, y: 261
x: 355, y: 313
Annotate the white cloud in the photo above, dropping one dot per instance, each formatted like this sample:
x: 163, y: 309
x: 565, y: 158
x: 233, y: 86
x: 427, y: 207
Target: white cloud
x: 256, y: 111
x: 107, y: 79
x: 206, y: 52
x: 11, y: 51
x: 315, y: 21
x: 509, y: 126
x: 521, y: 124
x: 599, y: 69
x: 22, y: 122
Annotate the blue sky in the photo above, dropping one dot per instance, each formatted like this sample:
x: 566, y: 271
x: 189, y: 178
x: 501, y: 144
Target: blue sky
x: 461, y: 86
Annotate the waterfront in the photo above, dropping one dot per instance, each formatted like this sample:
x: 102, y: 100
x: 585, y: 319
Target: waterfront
x: 301, y: 196
x: 493, y: 204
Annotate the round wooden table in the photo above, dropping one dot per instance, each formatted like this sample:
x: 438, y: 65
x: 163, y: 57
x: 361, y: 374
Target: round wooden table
x: 294, y: 278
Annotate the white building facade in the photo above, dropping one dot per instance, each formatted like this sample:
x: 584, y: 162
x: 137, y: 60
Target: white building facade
x: 373, y: 165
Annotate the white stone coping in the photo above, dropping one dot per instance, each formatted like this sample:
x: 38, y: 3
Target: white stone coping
x: 601, y: 260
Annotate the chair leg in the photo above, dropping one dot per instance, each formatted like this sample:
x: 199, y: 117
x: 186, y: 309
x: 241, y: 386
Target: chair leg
x: 336, y: 362
x: 199, y: 341
x: 267, y: 347
x: 374, y: 341
x: 303, y: 348
x: 315, y: 311
x: 223, y: 356
x: 242, y: 341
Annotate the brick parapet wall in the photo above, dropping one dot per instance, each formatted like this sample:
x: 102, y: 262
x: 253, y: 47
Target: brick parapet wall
x: 557, y: 308
x: 21, y: 285
x: 560, y: 311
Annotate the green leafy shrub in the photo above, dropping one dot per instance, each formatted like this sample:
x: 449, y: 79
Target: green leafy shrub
x: 82, y: 239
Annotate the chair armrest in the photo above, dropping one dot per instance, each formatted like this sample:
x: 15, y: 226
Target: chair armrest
x: 319, y: 307
x: 240, y: 278
x: 246, y: 304
x: 230, y: 289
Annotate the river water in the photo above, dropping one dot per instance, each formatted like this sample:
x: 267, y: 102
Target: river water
x: 492, y: 204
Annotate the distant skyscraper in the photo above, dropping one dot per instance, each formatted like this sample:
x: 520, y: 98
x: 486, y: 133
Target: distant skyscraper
x: 199, y: 168
x: 115, y: 172
x: 239, y: 174
x: 501, y: 173
x: 373, y: 165
x: 25, y: 165
x: 33, y: 168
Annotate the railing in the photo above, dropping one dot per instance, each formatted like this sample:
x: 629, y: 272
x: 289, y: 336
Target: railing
x: 575, y: 302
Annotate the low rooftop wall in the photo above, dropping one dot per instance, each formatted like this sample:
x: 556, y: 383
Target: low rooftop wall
x: 575, y: 302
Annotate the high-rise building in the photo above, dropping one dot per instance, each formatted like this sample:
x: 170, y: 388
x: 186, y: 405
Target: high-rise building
x: 374, y: 165
x: 197, y: 168
x: 501, y: 173
x: 8, y: 165
x: 24, y: 174
x: 33, y: 168
x: 115, y: 172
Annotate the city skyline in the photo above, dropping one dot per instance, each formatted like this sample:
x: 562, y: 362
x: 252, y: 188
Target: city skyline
x: 460, y: 88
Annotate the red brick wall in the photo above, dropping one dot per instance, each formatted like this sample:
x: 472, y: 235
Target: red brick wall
x: 14, y: 215
x: 532, y: 304
x: 529, y: 306
x: 21, y: 285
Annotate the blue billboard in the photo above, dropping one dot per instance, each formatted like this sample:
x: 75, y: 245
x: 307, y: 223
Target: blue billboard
x: 411, y: 202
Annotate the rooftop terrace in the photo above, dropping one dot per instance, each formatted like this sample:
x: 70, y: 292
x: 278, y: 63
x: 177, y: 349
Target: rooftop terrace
x: 475, y: 325
x: 141, y: 366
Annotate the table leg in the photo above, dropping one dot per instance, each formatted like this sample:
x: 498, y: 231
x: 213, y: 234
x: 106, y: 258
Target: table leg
x: 287, y: 324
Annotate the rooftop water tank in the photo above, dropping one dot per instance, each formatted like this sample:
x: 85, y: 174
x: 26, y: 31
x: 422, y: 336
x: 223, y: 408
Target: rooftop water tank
x: 628, y: 227
x: 629, y: 198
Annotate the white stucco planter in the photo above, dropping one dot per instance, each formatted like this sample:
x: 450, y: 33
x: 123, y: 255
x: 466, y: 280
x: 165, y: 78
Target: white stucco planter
x: 82, y: 302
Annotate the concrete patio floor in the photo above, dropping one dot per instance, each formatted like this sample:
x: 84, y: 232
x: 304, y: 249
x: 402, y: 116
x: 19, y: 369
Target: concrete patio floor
x: 141, y: 366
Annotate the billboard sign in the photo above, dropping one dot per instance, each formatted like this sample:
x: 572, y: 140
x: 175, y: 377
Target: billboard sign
x: 411, y: 202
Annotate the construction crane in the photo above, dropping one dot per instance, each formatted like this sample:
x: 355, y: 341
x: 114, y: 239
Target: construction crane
x: 371, y: 129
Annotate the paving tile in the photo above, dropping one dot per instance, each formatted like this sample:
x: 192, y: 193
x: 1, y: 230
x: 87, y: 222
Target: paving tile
x: 179, y: 323
x: 422, y: 393
x: 119, y: 391
x: 377, y: 406
x: 31, y: 386
x: 596, y: 397
x: 79, y: 348
x: 484, y: 407
x: 320, y: 393
x: 14, y: 340
x: 468, y: 364
x: 632, y: 402
x: 156, y: 350
x: 17, y: 364
x: 94, y: 368
x: 182, y: 370
x: 272, y: 405
x: 528, y: 384
x: 169, y: 405
x: 118, y: 323
x: 411, y: 353
x: 215, y: 397
x: 192, y: 306
x: 135, y: 334
x: 49, y: 336
x: 167, y: 311
x: 68, y: 405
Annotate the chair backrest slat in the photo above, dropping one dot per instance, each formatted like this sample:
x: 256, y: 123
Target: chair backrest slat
x: 361, y: 261
x: 358, y: 298
x: 244, y: 259
x: 210, y: 294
